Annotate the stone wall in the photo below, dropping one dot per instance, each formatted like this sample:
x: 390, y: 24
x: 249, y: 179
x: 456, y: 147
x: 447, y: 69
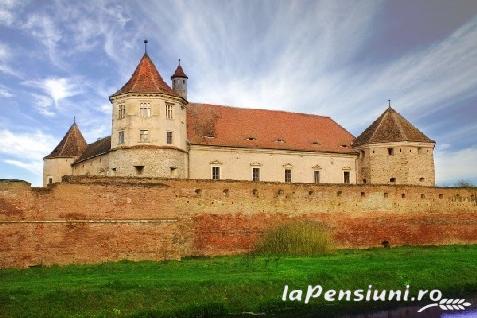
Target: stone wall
x: 86, y: 219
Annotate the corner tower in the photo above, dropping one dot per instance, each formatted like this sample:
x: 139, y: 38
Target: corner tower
x: 179, y: 81
x: 149, y: 137
x: 393, y: 151
x: 58, y: 163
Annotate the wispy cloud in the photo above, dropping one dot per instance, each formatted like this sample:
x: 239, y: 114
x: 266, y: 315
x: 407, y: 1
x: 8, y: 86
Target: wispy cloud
x: 5, y: 92
x: 25, y: 150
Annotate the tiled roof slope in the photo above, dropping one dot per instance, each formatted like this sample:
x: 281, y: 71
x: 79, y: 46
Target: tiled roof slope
x: 260, y: 128
x: 391, y: 127
x: 98, y: 147
x: 72, y: 144
x: 145, y: 79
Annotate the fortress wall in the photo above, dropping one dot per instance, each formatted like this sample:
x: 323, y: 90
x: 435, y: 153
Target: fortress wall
x: 96, y: 219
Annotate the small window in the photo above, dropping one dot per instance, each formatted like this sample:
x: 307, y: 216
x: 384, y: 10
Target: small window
x: 288, y: 175
x: 403, y: 195
x: 392, y: 180
x: 419, y: 150
x: 363, y: 154
x: 145, y: 110
x: 364, y: 181
x: 50, y: 180
x: 144, y: 136
x: 386, y: 195
x: 139, y: 170
x: 441, y: 196
x: 363, y: 194
x: 346, y: 177
x: 391, y: 151
x: 169, y: 137
x: 173, y: 171
x: 256, y: 174
x: 423, y: 196
x: 169, y: 111
x: 316, y: 175
x: 183, y: 81
x: 251, y: 138
x: 121, y: 111
x: 215, y: 173
x: 121, y: 137
x: 421, y: 179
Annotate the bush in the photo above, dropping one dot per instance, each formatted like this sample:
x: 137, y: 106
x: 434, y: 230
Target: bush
x: 296, y: 239
x: 464, y: 184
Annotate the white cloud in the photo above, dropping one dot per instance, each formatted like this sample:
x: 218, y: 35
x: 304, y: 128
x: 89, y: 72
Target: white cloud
x: 44, y: 29
x: 454, y: 165
x: 56, y: 89
x: 26, y: 150
x: 4, y: 92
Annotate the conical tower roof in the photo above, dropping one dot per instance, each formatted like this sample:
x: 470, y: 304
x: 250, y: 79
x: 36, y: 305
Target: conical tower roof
x: 72, y: 145
x: 179, y: 72
x: 391, y: 127
x: 145, y: 79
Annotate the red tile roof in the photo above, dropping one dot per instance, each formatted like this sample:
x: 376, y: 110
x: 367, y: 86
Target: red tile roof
x: 99, y: 147
x: 391, y: 127
x: 145, y: 79
x: 72, y: 144
x: 179, y: 73
x: 259, y: 128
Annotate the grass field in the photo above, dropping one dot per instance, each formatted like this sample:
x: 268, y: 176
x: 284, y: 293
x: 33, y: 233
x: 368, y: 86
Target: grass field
x: 224, y: 285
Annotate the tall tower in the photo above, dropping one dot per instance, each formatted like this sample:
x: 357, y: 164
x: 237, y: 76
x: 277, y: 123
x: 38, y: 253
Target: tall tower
x: 149, y: 136
x: 179, y: 81
x: 58, y: 163
x: 393, y: 151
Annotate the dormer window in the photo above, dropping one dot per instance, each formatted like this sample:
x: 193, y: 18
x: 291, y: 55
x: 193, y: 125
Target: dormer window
x: 145, y: 110
x: 316, y: 142
x: 251, y: 138
x: 280, y: 141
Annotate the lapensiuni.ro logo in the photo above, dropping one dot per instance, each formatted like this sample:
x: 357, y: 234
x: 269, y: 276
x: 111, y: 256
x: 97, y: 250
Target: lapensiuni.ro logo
x: 433, y: 298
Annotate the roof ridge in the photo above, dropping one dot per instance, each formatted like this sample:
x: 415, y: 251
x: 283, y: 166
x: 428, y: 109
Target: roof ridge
x: 261, y: 109
x: 398, y: 123
x: 380, y: 121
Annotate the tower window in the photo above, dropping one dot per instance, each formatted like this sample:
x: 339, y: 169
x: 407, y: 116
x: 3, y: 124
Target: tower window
x: 169, y: 137
x: 145, y: 110
x: 392, y: 180
x: 50, y: 180
x: 421, y: 179
x: 121, y: 137
x: 391, y: 151
x: 288, y: 175
x: 169, y: 111
x: 363, y: 154
x: 256, y: 174
x: 316, y: 176
x: 215, y: 173
x: 121, y: 111
x: 346, y: 176
x: 139, y: 170
x: 143, y: 135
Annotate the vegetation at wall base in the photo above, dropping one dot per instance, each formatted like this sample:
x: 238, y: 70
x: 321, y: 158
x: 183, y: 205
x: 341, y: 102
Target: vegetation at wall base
x: 220, y: 286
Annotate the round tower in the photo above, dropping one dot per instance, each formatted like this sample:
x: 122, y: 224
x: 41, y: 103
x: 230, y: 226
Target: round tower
x: 393, y: 151
x: 149, y: 130
x: 179, y: 81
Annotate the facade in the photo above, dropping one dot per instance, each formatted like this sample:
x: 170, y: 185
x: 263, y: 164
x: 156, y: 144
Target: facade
x: 156, y: 132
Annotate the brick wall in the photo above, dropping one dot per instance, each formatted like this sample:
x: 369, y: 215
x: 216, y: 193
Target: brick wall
x: 95, y: 219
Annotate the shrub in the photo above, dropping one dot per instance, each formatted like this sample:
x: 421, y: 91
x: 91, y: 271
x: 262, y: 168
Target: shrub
x: 296, y: 239
x: 464, y: 184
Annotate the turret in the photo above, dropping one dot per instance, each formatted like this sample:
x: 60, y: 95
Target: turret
x: 58, y: 163
x: 393, y: 151
x: 179, y: 81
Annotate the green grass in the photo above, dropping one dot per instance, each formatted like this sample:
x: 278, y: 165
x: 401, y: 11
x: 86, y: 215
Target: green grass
x: 220, y: 285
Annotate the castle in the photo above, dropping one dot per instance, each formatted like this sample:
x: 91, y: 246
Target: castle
x: 157, y: 132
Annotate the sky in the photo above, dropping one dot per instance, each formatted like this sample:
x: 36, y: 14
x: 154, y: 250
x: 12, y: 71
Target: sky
x: 344, y: 59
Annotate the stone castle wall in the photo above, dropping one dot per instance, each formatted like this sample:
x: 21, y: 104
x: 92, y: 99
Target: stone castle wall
x: 85, y: 220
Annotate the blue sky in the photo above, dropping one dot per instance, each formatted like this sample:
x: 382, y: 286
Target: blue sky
x: 344, y: 59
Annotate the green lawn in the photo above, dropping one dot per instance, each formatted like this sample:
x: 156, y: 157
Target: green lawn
x: 223, y: 285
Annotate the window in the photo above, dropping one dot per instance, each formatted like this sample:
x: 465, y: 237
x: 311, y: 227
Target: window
x: 256, y: 174
x: 169, y: 111
x: 419, y: 150
x: 316, y: 176
x: 364, y: 181
x: 144, y: 136
x: 121, y: 137
x: 346, y: 176
x: 391, y: 151
x: 392, y: 180
x: 421, y: 179
x: 139, y: 170
x: 50, y: 180
x: 363, y: 154
x: 169, y: 137
x: 121, y: 111
x: 145, y: 110
x: 288, y: 176
x: 215, y: 173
